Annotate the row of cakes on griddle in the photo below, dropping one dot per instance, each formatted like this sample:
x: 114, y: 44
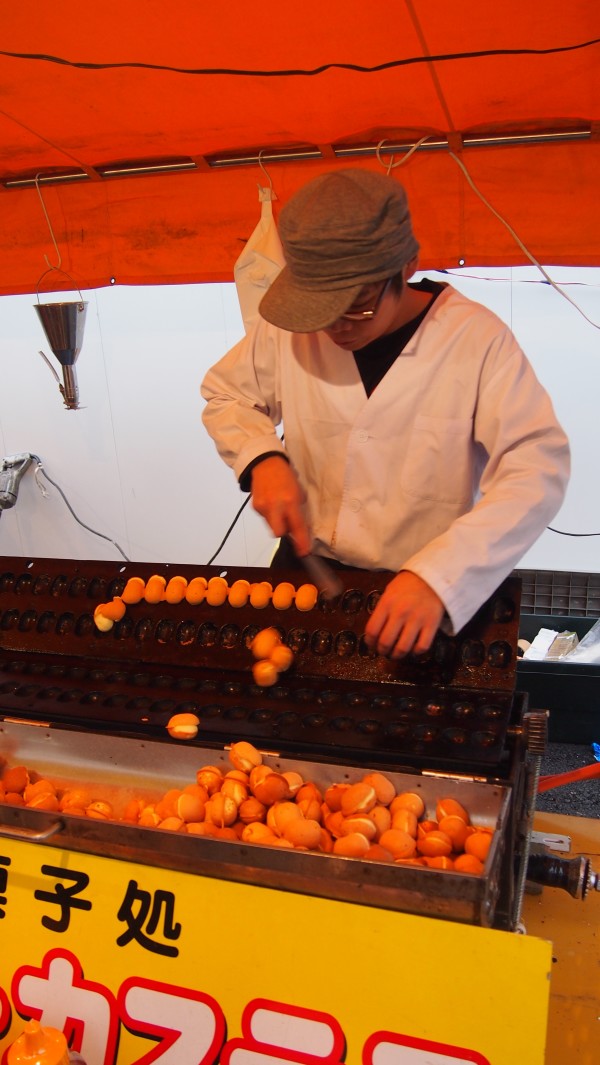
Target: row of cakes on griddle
x: 215, y: 592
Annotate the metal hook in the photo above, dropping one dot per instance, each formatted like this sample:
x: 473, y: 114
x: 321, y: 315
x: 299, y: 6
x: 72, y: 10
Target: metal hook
x: 273, y: 195
x: 392, y: 165
x: 50, y: 266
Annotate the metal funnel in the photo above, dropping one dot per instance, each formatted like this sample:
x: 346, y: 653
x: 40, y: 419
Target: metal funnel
x: 63, y: 325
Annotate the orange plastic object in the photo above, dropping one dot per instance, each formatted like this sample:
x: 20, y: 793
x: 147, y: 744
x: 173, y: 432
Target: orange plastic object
x: 39, y: 1046
x: 556, y: 780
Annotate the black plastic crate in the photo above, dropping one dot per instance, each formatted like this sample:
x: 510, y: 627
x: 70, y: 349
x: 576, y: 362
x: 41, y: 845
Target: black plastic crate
x: 564, y: 593
x: 570, y: 691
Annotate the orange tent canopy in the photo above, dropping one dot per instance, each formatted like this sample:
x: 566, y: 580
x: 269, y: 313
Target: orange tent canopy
x: 138, y: 126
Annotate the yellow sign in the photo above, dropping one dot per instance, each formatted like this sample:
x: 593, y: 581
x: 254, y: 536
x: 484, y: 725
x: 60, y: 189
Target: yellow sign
x: 138, y: 964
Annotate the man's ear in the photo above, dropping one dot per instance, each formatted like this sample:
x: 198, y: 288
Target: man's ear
x: 411, y: 268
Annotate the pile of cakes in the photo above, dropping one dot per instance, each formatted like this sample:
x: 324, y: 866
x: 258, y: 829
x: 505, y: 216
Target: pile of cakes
x: 254, y: 803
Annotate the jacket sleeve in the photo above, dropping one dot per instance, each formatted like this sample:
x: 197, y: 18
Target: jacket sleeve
x: 525, y: 466
x: 243, y: 408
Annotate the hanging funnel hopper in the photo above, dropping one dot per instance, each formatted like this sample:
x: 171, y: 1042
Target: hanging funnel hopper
x: 63, y: 325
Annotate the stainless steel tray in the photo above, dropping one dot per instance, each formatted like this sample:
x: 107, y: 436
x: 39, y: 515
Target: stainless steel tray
x: 121, y: 768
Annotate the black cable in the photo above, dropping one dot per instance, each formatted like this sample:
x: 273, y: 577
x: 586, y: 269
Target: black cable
x: 561, y: 533
x: 40, y: 468
x: 247, y: 500
x: 412, y: 60
x: 230, y: 530
x: 460, y: 274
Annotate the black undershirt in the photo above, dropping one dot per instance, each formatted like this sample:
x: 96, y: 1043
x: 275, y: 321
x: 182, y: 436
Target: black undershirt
x: 374, y: 360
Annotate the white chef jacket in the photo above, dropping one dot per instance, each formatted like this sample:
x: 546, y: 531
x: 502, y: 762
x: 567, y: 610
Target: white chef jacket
x: 452, y: 468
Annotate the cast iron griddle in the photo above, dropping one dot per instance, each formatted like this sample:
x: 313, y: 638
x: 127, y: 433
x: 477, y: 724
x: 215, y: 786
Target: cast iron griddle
x: 451, y: 707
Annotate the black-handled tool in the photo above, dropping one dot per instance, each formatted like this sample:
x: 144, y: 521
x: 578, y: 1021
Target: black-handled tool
x: 323, y: 576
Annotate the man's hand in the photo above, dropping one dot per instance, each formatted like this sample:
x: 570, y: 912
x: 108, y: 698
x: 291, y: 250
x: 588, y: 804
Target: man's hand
x: 278, y: 497
x: 406, y: 617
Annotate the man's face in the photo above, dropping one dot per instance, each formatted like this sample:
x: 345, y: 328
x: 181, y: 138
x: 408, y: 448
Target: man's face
x: 369, y: 317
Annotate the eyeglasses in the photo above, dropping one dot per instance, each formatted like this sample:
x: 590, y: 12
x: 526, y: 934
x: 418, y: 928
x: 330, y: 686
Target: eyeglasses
x: 361, y: 316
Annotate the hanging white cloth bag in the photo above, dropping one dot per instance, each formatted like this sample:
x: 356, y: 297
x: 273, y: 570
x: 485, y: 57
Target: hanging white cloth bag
x: 260, y: 261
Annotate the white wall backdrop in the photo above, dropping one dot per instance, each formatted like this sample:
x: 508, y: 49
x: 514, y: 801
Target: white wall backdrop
x: 136, y: 465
